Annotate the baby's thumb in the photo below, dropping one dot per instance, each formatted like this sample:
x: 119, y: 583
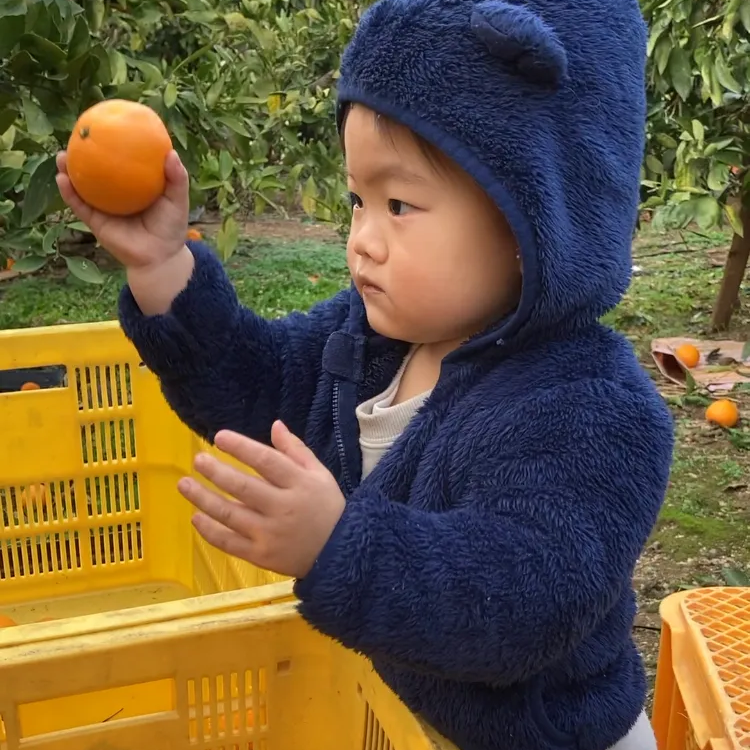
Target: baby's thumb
x: 178, y: 183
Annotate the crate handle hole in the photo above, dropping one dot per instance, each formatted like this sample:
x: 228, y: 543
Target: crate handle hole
x: 29, y: 379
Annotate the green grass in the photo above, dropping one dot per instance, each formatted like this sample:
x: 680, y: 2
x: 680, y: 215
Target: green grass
x: 708, y: 504
x: 273, y: 277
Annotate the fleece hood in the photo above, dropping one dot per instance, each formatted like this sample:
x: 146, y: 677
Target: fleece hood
x: 543, y: 103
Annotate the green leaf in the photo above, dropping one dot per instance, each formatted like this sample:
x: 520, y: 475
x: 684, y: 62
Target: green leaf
x: 23, y: 66
x: 718, y: 177
x: 214, y: 92
x: 51, y: 236
x: 43, y: 50
x: 130, y: 90
x: 657, y: 29
x: 237, y: 22
x: 724, y: 75
x: 714, y: 146
x: 12, y: 8
x: 30, y: 263
x: 36, y: 121
x: 178, y: 128
x: 6, y: 207
x: 735, y: 577
x: 12, y: 159
x: 730, y: 19
x: 170, y: 95
x: 226, y: 165
x: 745, y: 351
x: 83, y: 269
x: 699, y: 132
x: 661, y: 54
x: 666, y: 140
x: 654, y: 164
x: 210, y: 183
x: 79, y: 226
x: 11, y: 30
x: 234, y: 124
x: 706, y: 211
x: 151, y: 74
x: 7, y: 118
x: 81, y: 39
x: 734, y: 220
x: 745, y: 14
x: 309, y: 195
x: 103, y: 74
x: 41, y: 191
x: 681, y: 73
x: 8, y: 138
x: 9, y: 178
x: 227, y: 238
x: 119, y: 67
x: 95, y: 10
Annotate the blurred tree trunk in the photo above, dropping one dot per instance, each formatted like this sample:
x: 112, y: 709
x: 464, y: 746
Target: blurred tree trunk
x: 734, y: 273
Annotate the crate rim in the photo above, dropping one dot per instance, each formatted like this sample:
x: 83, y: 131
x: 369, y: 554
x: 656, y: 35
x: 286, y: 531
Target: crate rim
x: 59, y: 329
x: 34, y: 636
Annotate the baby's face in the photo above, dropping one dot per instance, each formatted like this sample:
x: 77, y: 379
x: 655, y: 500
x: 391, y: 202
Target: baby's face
x: 431, y: 255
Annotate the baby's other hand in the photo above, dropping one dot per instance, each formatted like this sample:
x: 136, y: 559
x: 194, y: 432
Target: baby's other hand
x: 283, y: 518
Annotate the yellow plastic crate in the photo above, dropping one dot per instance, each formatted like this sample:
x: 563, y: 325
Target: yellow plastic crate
x: 702, y: 697
x: 222, y: 672
x: 158, y: 642
x: 91, y: 518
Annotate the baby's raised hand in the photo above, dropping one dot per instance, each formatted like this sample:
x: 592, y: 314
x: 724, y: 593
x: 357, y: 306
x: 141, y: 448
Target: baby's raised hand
x: 148, y: 239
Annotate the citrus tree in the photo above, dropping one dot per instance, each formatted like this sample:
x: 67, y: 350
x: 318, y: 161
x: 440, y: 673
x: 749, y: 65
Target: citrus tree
x: 696, y: 165
x: 244, y: 87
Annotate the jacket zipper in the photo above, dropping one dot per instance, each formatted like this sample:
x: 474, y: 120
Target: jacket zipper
x: 339, y: 437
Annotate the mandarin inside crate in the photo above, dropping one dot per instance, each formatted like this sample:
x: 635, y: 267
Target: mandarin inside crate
x: 702, y: 694
x: 91, y: 518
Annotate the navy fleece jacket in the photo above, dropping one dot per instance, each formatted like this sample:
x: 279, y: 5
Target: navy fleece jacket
x: 485, y: 565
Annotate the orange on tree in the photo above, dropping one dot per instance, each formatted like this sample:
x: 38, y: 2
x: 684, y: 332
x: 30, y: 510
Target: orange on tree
x: 723, y: 412
x: 688, y: 355
x: 116, y: 156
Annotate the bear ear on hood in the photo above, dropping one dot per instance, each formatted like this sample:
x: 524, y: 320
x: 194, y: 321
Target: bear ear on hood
x: 522, y: 40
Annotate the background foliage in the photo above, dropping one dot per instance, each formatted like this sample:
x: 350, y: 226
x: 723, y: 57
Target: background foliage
x: 246, y: 88
x: 699, y: 88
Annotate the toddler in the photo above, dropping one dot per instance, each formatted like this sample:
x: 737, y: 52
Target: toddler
x: 457, y: 462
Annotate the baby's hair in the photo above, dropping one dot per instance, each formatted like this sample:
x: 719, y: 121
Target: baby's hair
x: 434, y: 156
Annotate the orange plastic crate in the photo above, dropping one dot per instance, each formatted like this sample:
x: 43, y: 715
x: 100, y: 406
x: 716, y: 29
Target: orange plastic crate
x: 702, y: 698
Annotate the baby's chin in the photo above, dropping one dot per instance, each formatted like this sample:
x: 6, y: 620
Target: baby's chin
x: 395, y: 332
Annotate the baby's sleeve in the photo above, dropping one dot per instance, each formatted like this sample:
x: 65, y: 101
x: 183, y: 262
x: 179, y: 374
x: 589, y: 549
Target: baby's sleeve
x: 222, y: 366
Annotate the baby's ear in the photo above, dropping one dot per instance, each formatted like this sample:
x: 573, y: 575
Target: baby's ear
x: 522, y: 40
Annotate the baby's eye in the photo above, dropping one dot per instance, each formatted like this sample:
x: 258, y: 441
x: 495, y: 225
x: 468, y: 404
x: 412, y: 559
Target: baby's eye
x: 399, y: 208
x: 355, y: 200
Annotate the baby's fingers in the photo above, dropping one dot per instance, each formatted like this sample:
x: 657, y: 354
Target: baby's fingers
x: 61, y: 160
x: 178, y: 183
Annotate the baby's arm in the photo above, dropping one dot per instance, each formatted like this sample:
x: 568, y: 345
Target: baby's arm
x: 540, y: 547
x: 220, y: 365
